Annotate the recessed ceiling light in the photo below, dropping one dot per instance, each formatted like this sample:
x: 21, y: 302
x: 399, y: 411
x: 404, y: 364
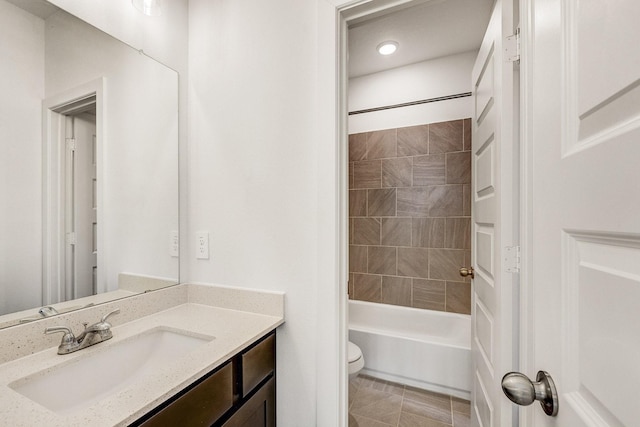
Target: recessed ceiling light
x: 387, y: 48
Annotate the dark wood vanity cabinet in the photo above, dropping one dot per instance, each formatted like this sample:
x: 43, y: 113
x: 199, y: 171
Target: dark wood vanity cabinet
x: 258, y: 411
x: 238, y: 393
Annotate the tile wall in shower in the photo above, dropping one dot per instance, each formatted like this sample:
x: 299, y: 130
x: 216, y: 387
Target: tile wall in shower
x: 410, y: 216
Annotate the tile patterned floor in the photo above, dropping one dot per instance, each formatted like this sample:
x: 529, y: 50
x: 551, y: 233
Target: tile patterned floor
x: 377, y: 403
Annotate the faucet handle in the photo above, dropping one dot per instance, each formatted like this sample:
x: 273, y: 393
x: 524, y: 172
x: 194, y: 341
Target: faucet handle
x: 102, y: 326
x: 54, y: 329
x: 68, y: 343
x: 106, y: 316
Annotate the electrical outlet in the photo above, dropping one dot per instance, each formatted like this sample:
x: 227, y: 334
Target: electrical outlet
x: 202, y: 245
x: 174, y: 244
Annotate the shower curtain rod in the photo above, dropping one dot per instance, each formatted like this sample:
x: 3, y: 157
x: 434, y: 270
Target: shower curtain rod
x: 408, y: 104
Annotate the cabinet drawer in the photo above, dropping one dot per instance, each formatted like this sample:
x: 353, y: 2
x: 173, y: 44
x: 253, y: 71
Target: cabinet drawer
x: 257, y: 364
x: 200, y: 406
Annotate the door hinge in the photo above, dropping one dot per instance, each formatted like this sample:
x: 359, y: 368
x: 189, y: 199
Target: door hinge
x: 71, y: 238
x: 512, y: 259
x: 512, y: 47
x: 71, y: 144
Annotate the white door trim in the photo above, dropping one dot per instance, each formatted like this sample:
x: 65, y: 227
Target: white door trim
x: 332, y: 154
x: 333, y: 15
x: 527, y: 324
x: 331, y: 339
x: 53, y: 224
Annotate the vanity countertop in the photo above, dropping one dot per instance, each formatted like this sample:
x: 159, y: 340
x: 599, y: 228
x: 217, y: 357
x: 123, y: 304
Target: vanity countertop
x: 233, y: 330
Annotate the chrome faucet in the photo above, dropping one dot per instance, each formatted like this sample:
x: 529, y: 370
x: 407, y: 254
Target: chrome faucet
x: 93, y: 334
x: 47, y: 311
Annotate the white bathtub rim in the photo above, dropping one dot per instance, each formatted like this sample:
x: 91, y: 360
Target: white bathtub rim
x: 398, y: 334
x: 457, y: 333
x: 423, y: 385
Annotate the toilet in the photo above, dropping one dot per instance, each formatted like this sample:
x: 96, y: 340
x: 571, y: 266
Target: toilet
x: 356, y: 360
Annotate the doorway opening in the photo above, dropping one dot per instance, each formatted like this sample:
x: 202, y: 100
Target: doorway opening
x: 80, y: 199
x: 409, y: 220
x: 72, y: 165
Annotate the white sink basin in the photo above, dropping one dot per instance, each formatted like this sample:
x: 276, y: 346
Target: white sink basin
x: 83, y: 381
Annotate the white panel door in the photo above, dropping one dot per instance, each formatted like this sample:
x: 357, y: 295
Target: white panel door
x: 583, y: 258
x: 84, y: 205
x: 494, y: 201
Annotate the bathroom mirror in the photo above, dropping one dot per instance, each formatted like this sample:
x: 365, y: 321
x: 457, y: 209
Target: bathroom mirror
x: 89, y: 138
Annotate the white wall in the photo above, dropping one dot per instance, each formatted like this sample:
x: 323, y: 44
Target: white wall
x: 429, y: 79
x: 22, y: 89
x: 253, y: 180
x: 140, y: 172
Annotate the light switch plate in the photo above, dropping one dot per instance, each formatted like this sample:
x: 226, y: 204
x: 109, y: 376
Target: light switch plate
x: 174, y: 244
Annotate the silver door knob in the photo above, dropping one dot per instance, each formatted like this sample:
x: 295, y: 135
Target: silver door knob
x: 522, y: 391
x: 467, y: 271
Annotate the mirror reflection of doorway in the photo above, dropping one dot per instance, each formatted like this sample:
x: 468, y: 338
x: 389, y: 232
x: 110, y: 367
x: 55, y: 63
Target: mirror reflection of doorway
x: 81, y: 204
x: 79, y: 174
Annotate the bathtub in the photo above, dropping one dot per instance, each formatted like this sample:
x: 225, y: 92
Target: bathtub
x: 421, y: 348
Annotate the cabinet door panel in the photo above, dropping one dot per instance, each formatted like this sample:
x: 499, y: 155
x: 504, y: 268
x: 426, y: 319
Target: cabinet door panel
x: 259, y: 411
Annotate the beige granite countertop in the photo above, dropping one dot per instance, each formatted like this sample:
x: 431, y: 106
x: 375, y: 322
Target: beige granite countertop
x: 233, y: 329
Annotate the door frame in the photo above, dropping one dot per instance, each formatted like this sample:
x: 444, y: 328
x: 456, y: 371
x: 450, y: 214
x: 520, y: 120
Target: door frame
x: 332, y: 175
x: 53, y: 185
x: 333, y: 16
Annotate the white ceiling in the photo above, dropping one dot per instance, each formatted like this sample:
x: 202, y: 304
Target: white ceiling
x: 430, y: 30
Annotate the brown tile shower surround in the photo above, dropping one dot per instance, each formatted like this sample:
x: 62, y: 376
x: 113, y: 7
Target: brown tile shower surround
x: 410, y: 216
